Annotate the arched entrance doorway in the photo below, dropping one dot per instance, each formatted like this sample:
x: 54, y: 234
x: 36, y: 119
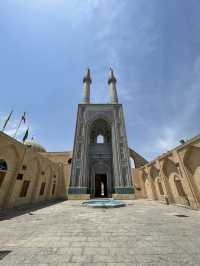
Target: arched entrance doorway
x: 101, y: 185
x: 100, y: 159
x: 101, y: 180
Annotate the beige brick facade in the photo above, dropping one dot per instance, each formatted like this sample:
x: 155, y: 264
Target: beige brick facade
x: 173, y: 177
x: 31, y: 176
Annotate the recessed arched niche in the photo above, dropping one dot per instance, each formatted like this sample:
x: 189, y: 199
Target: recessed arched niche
x: 100, y: 132
x: 191, y: 161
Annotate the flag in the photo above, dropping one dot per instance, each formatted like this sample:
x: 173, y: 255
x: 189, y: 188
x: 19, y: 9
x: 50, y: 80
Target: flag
x: 24, y: 117
x: 25, y: 135
x: 7, y: 119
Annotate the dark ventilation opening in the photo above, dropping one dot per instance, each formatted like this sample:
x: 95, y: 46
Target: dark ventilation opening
x: 19, y: 176
x: 70, y: 161
x: 4, y: 253
x: 24, y: 188
x: 53, y: 188
x: 181, y: 215
x: 42, y: 189
x: 24, y: 167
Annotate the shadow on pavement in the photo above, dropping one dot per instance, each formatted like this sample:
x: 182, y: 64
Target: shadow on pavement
x: 7, y: 214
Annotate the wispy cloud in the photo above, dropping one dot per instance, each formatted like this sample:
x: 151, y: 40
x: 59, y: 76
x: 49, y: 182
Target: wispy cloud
x: 167, y: 140
x: 153, y: 47
x: 12, y: 126
x: 182, y: 124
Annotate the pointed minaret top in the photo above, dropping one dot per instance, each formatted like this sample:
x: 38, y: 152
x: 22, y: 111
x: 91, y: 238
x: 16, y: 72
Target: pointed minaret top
x: 86, y: 87
x: 111, y: 77
x: 87, y: 77
x: 112, y: 85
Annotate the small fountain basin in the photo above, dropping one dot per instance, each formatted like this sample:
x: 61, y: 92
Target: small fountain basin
x: 103, y: 203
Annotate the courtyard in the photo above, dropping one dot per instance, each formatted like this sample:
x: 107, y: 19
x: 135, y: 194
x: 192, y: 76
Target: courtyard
x: 65, y: 233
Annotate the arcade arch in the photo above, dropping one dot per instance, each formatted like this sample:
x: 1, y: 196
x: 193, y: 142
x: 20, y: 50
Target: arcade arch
x: 191, y: 161
x: 175, y: 182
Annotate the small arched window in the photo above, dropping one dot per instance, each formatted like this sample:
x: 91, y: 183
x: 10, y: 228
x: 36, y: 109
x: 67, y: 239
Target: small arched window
x: 70, y: 161
x: 100, y: 139
x: 3, y: 170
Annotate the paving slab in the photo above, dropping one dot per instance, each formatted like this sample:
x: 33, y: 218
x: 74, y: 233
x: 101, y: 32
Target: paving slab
x: 66, y: 233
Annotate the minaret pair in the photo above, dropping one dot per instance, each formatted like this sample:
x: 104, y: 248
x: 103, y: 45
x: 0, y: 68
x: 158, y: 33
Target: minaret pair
x: 111, y: 82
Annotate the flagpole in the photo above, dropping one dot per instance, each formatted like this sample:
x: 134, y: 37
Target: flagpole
x: 23, y: 118
x: 6, y: 121
x: 14, y: 136
x: 26, y: 135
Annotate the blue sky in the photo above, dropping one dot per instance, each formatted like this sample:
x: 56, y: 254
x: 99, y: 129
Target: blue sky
x: 153, y: 46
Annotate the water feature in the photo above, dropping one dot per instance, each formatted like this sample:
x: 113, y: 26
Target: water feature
x: 103, y: 203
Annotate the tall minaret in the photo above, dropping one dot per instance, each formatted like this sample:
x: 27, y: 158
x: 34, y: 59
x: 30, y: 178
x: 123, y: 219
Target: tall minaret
x: 86, y: 87
x: 112, y: 84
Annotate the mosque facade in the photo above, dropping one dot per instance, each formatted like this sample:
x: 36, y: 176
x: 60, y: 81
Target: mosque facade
x: 99, y: 165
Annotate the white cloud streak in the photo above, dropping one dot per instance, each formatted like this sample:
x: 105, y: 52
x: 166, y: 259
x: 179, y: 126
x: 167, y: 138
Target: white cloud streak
x: 12, y: 126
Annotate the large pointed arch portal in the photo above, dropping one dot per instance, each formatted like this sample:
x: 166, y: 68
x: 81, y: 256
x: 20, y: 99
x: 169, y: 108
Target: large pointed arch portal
x: 100, y: 164
x: 100, y: 159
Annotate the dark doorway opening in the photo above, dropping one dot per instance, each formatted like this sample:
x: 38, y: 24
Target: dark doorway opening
x: 101, y: 186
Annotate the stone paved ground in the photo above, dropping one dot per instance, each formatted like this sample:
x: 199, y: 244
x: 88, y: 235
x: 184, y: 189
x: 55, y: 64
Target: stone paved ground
x: 142, y: 233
